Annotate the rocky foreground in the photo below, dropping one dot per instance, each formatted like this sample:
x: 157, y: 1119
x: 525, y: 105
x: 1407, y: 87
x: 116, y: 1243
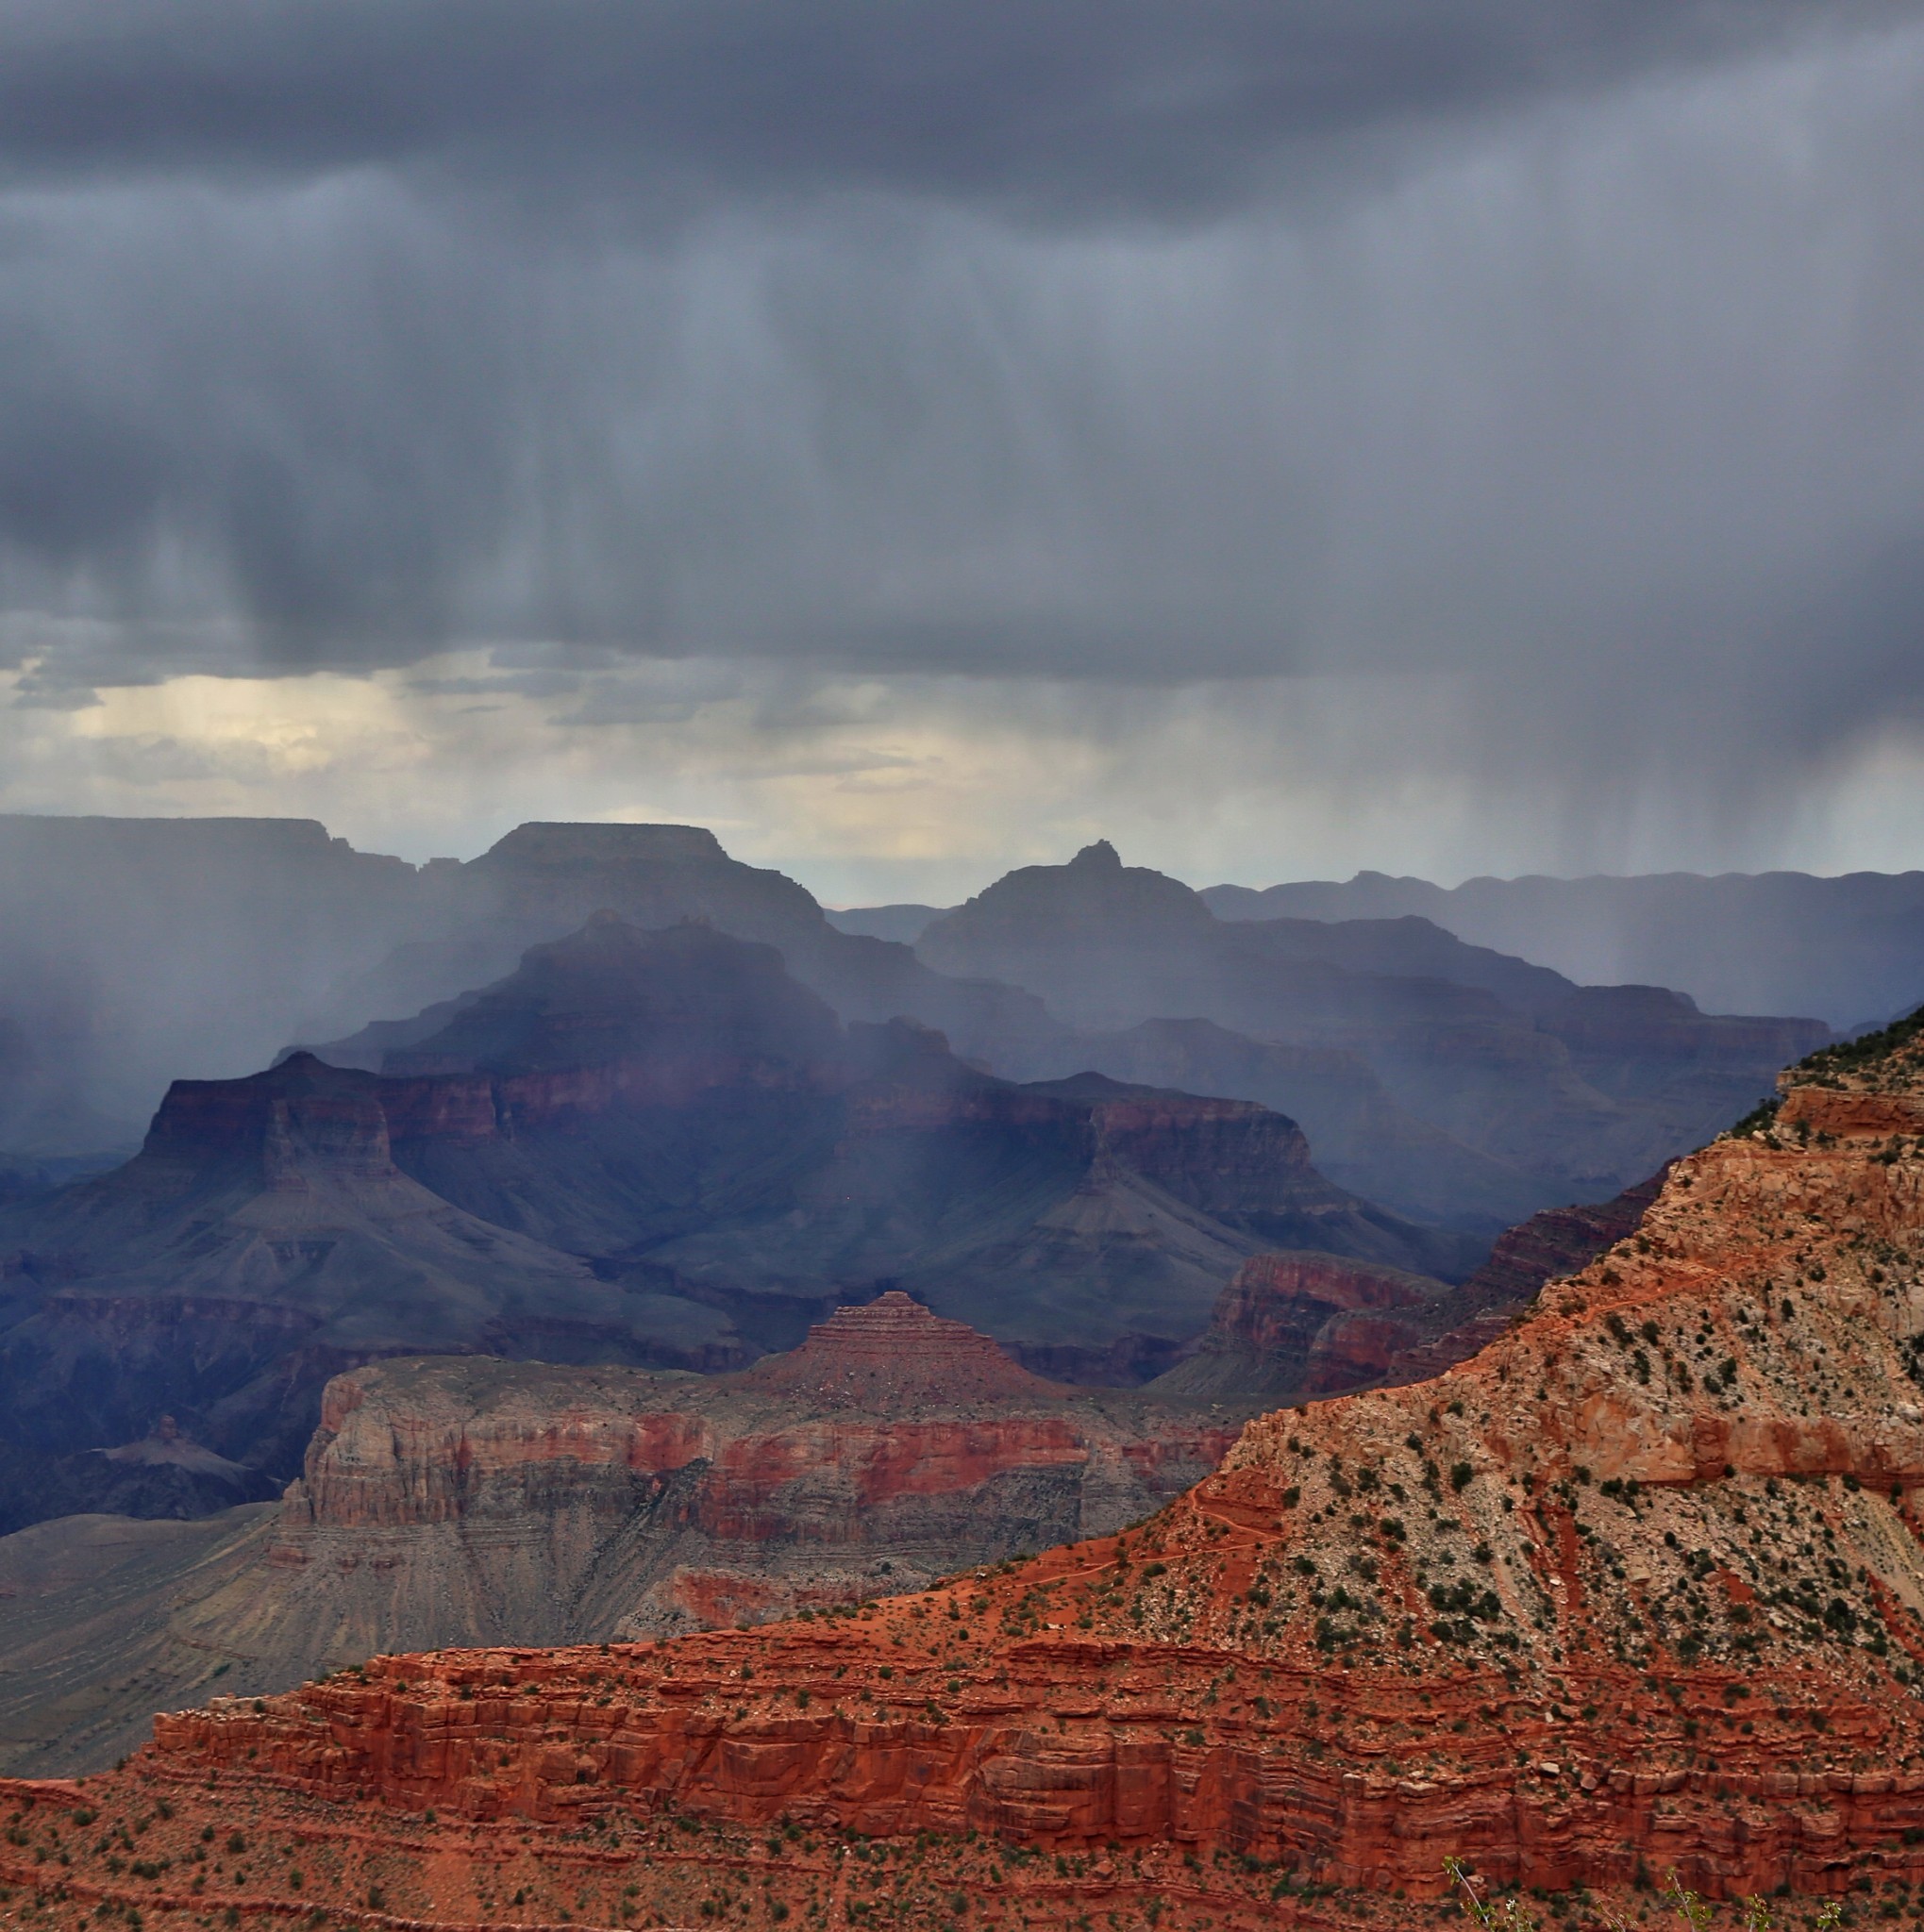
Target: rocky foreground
x: 1636, y: 1591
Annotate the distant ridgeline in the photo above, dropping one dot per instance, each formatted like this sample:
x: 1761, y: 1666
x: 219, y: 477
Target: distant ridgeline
x: 1849, y: 950
x: 1447, y: 1081
x: 697, y: 1114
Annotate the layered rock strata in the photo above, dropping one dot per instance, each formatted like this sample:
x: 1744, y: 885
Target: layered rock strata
x: 459, y: 1501
x: 1303, y: 1325
x: 467, y: 1501
x: 1637, y: 1589
x: 1298, y: 1325
x: 1558, y: 1240
x: 651, y: 1148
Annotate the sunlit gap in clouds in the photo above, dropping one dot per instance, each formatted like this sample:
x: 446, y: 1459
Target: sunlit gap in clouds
x: 873, y: 789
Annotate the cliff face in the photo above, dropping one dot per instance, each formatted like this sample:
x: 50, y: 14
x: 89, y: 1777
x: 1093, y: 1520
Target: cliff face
x: 463, y: 1501
x: 1294, y: 1326
x: 1638, y: 1588
x: 1362, y: 1140
x: 540, y: 1505
x: 1558, y: 1240
x: 131, y: 949
x: 263, y: 1239
x: 1306, y: 1324
x: 653, y: 1148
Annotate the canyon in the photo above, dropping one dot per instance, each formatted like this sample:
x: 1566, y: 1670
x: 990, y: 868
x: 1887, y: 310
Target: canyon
x: 1637, y: 1588
x: 1492, y: 1087
x: 647, y: 1148
x: 452, y: 1500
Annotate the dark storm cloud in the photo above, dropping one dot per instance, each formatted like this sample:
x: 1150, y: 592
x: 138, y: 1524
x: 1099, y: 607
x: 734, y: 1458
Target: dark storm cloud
x: 981, y: 337
x: 1044, y: 108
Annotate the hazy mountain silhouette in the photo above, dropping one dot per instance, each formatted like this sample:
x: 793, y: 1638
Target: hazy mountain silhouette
x: 1539, y: 1089
x: 1848, y: 949
x: 645, y: 1147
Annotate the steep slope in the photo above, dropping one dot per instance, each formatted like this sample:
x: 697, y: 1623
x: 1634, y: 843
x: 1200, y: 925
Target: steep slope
x: 735, y: 1143
x: 136, y: 951
x: 1557, y: 1241
x: 1294, y: 1327
x: 1362, y: 1138
x: 461, y: 1501
x: 263, y: 1240
x: 477, y: 1502
x: 87, y: 1630
x: 1566, y: 1089
x: 1108, y: 945
x: 1637, y: 1588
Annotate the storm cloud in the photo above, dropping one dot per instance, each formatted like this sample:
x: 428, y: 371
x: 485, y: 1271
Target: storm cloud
x: 1039, y: 111
x: 1567, y: 357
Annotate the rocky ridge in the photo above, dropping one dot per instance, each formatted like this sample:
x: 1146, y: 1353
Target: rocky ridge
x: 1556, y: 1241
x: 472, y: 1501
x: 1845, y: 948
x: 1637, y: 1588
x: 1466, y: 1082
x: 1298, y: 1325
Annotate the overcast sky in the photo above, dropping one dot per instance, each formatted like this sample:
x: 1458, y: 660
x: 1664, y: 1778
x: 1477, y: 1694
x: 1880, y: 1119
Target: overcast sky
x: 913, y: 436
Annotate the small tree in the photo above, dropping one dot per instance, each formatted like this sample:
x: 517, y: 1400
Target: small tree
x: 1510, y: 1916
x: 1695, y: 1912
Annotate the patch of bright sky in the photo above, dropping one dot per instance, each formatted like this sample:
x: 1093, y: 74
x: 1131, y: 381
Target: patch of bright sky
x: 872, y: 789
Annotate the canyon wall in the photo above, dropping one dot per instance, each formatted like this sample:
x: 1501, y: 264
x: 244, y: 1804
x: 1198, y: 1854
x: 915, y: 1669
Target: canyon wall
x: 463, y: 1501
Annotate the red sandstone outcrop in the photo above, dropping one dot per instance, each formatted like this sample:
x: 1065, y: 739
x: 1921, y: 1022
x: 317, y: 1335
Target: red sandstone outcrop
x: 463, y: 1501
x: 459, y: 1501
x: 452, y: 1500
x: 1296, y: 1325
x: 1293, y: 1325
x: 1638, y: 1589
x: 893, y: 1355
x: 1559, y: 1241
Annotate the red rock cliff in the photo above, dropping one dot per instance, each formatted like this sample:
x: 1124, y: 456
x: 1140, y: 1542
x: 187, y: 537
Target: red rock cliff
x: 1306, y: 1325
x: 463, y: 1500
